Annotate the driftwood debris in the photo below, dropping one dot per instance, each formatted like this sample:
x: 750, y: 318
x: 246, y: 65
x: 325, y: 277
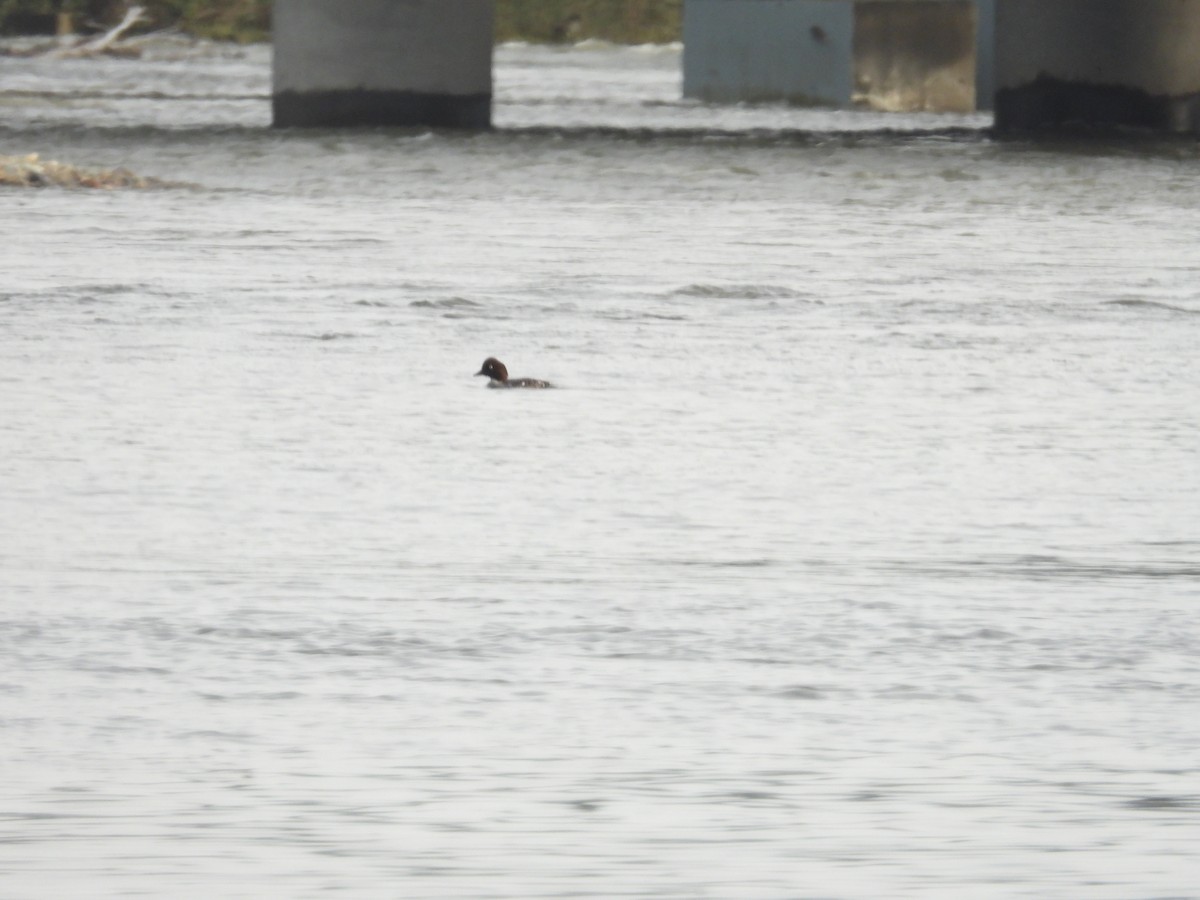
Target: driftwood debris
x: 30, y: 171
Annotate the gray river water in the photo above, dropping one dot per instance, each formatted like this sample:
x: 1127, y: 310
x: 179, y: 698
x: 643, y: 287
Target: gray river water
x: 857, y: 554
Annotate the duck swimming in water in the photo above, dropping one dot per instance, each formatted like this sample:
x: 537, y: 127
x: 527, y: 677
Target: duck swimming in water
x: 498, y: 376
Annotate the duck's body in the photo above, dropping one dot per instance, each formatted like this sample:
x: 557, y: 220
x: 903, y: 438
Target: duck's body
x: 498, y: 376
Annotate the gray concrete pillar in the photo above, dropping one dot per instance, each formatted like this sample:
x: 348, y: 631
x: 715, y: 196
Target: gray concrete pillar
x: 985, y: 53
x: 344, y: 63
x: 798, y: 51
x: 1082, y: 63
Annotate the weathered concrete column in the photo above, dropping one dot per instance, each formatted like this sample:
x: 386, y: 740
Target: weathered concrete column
x: 749, y: 51
x: 342, y: 63
x: 1064, y: 64
x: 985, y: 53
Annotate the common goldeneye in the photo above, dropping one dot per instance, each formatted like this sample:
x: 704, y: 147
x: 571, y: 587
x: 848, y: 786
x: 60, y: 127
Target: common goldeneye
x: 498, y: 376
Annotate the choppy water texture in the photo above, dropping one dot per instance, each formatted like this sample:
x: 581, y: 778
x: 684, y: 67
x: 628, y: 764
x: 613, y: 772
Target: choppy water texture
x: 857, y: 554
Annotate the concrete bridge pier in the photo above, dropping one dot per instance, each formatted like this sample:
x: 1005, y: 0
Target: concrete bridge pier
x: 1081, y: 63
x: 342, y: 63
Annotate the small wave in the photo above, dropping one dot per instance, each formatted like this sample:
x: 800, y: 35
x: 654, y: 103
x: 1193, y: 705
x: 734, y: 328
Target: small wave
x: 802, y: 692
x: 250, y: 695
x: 667, y: 47
x: 595, y: 44
x: 447, y: 303
x: 739, y: 292
x: 90, y: 292
x: 255, y: 634
x: 629, y: 316
x: 124, y: 670
x: 95, y: 294
x: 209, y: 734
x: 1038, y: 567
x: 958, y: 175
x: 1164, y: 802
x: 750, y: 563
x: 670, y: 47
x: 1152, y: 304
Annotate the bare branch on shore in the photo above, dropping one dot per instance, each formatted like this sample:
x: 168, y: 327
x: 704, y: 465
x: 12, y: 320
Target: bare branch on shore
x: 104, y: 43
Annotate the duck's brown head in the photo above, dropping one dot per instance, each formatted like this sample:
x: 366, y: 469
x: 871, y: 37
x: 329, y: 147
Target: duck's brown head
x: 493, y: 369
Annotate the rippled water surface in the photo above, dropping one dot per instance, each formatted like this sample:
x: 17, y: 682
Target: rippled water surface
x: 856, y: 555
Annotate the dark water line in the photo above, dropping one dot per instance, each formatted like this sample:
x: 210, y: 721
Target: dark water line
x: 126, y: 95
x: 1133, y: 144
